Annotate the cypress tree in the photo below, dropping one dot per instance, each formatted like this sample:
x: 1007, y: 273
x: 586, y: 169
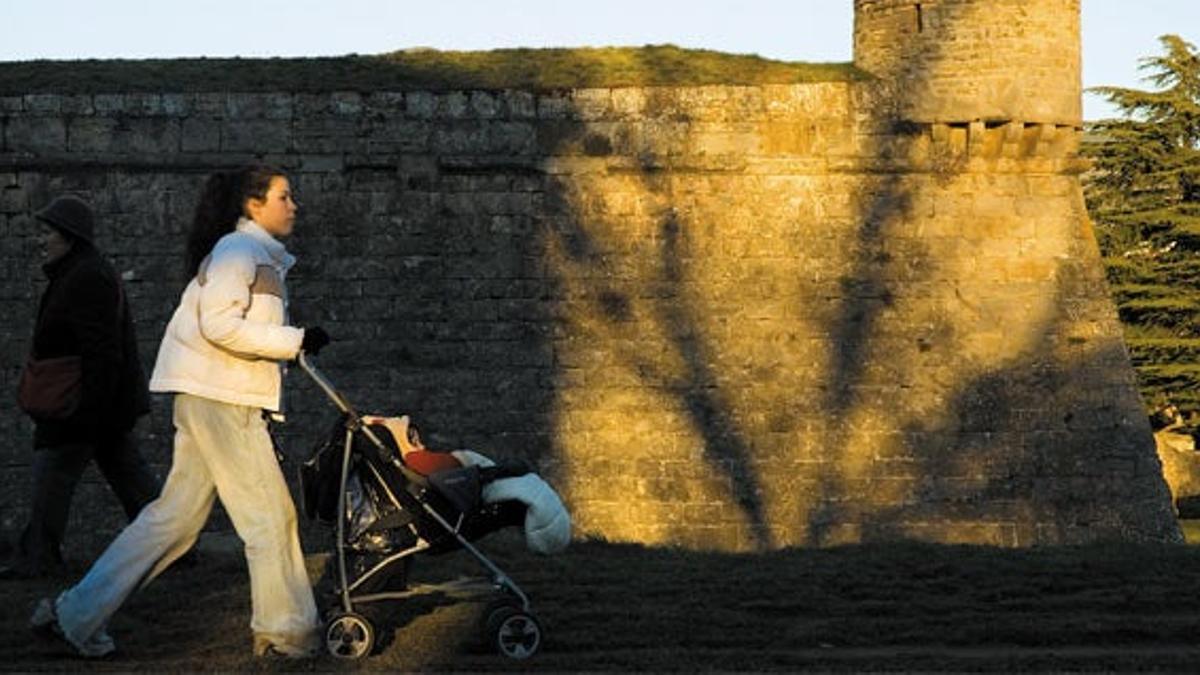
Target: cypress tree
x: 1143, y: 193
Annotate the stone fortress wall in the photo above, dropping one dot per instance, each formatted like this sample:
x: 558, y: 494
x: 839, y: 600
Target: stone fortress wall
x: 734, y: 317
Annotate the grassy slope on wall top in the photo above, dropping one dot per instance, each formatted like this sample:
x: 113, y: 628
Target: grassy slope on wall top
x: 420, y: 69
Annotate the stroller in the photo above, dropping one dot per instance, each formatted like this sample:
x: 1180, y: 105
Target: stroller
x: 384, y: 513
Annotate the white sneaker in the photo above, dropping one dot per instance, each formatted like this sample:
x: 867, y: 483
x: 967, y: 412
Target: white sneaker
x: 304, y: 648
x: 44, y: 622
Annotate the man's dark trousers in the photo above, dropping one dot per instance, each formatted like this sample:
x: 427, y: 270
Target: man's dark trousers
x: 56, y: 473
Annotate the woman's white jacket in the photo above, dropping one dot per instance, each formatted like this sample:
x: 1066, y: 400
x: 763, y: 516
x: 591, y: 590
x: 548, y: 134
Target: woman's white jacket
x: 228, y: 336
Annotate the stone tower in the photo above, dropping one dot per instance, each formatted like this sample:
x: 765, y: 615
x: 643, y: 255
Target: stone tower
x: 968, y: 60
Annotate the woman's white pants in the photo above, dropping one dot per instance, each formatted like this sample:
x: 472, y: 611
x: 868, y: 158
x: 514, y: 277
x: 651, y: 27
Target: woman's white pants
x: 221, y: 450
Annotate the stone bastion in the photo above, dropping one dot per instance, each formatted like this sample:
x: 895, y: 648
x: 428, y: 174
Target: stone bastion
x: 731, y: 317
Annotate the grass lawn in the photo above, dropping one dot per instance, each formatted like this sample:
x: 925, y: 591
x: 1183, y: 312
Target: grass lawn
x: 616, y: 607
x: 422, y: 69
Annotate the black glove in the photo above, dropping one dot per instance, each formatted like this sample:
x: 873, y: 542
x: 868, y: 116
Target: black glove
x: 315, y: 339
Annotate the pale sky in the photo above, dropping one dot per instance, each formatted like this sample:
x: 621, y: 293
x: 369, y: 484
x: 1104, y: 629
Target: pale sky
x: 1116, y: 33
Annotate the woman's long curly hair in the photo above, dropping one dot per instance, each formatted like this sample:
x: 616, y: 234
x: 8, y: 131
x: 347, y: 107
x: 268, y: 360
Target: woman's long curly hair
x: 222, y: 203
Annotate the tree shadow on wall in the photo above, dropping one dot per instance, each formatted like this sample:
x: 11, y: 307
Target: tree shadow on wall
x: 697, y: 388
x: 969, y: 468
x: 687, y: 373
x: 867, y: 290
x: 1056, y: 483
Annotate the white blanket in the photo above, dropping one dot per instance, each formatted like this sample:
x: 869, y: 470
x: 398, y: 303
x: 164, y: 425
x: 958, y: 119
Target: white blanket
x: 547, y: 522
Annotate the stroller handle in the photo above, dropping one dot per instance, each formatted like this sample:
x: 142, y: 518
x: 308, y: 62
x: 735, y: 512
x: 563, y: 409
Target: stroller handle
x: 354, y: 420
x: 325, y: 385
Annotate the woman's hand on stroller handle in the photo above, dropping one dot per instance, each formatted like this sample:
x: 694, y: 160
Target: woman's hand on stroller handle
x: 315, y: 339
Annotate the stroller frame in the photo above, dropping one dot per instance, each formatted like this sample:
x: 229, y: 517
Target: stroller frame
x: 512, y: 629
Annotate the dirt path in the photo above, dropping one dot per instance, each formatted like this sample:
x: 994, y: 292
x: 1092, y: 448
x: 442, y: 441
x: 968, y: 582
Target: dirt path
x: 617, y: 608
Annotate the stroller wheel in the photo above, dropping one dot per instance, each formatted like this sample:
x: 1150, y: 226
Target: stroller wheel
x: 513, y: 632
x: 349, y: 636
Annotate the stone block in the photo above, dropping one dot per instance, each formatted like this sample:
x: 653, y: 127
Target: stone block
x: 628, y: 101
x: 461, y: 138
x: 485, y: 105
x: 271, y: 106
x: 176, y: 105
x: 554, y: 107
x: 328, y: 135
x: 92, y: 134
x: 591, y: 104
x: 398, y: 135
x: 387, y: 103
x: 511, y: 138
x: 212, y: 105
x: 200, y: 134
x: 142, y: 104
x: 310, y: 106
x: 142, y: 136
x: 518, y: 105
x: 348, y: 103
x: 107, y: 104
x: 331, y: 163
x: 420, y: 105
x: 36, y: 135
x: 43, y: 104
x: 14, y: 197
x: 454, y: 105
x: 255, y: 136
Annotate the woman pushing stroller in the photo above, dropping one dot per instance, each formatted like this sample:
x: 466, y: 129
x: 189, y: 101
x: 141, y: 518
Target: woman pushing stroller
x: 222, y: 358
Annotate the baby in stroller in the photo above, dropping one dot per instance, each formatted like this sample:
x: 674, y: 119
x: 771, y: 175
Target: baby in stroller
x: 546, y: 521
x: 414, y: 453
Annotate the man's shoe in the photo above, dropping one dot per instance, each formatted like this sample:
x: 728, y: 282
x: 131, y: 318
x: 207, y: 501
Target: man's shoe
x: 44, y: 623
